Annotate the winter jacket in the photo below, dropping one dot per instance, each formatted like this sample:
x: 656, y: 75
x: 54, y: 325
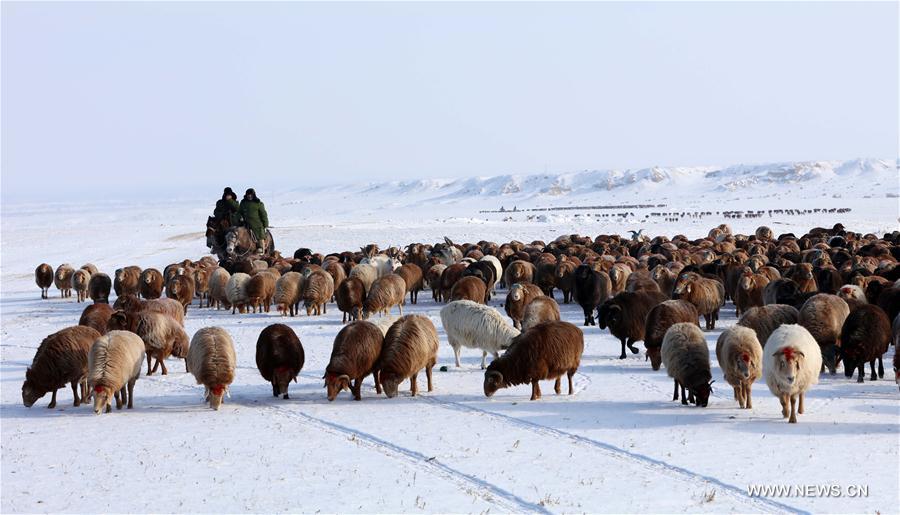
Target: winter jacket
x: 253, y: 212
x: 227, y: 209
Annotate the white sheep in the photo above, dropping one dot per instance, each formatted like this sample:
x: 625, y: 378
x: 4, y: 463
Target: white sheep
x: 740, y: 357
x: 114, y: 364
x: 791, y: 364
x: 212, y: 361
x: 474, y: 325
x: 237, y: 291
x: 498, y: 269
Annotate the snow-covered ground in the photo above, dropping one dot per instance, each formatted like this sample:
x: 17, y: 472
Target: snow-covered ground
x: 618, y: 445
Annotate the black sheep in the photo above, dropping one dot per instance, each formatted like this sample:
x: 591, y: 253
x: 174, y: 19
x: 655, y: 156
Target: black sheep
x: 865, y: 337
x: 591, y: 288
x: 279, y: 357
x: 626, y: 315
x: 485, y: 271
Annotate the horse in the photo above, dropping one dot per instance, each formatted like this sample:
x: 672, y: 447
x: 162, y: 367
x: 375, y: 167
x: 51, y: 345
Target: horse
x: 239, y: 243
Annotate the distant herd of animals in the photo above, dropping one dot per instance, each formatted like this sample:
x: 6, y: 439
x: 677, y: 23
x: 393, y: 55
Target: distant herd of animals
x: 806, y: 304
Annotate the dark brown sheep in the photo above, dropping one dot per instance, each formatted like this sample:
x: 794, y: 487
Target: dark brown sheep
x: 410, y: 345
x: 706, y: 294
x: 518, y: 298
x: 181, y: 288
x: 61, y: 358
x: 261, y: 290
x: 469, y: 288
x: 865, y: 337
x: 545, y: 276
x: 546, y: 351
x: 96, y: 316
x: 749, y: 291
x: 337, y: 272
x: 765, y: 319
x: 279, y: 357
x: 591, y: 289
x: 127, y: 281
x: 433, y: 278
x: 626, y: 316
x: 412, y: 276
x: 350, y: 297
x: 43, y: 277
x: 449, y: 276
x: 99, y: 287
x: 519, y: 271
x: 660, y: 318
x: 353, y: 357
x: 151, y: 283
x: 565, y: 276
x: 539, y: 310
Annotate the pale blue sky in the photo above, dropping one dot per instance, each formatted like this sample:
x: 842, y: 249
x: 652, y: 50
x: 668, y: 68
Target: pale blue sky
x: 119, y: 99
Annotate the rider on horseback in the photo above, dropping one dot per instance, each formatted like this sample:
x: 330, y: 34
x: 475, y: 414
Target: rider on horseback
x: 253, y: 212
x: 227, y: 208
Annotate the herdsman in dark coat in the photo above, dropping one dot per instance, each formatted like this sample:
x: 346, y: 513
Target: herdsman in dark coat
x: 253, y: 212
x: 227, y: 208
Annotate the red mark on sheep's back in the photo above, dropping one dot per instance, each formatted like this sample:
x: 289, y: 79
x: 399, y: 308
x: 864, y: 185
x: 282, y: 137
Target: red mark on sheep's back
x: 217, y: 389
x: 98, y: 388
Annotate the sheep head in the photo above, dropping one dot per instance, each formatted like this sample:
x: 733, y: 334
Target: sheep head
x: 30, y: 394
x: 390, y: 384
x: 493, y: 381
x: 335, y: 384
x: 788, y: 362
x: 742, y: 364
x: 103, y: 396
x: 608, y: 314
x: 655, y: 356
x: 282, y: 378
x: 216, y: 395
x: 515, y: 293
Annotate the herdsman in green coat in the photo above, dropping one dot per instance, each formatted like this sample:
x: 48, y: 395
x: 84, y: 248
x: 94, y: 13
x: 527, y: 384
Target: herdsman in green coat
x: 253, y: 212
x: 227, y: 208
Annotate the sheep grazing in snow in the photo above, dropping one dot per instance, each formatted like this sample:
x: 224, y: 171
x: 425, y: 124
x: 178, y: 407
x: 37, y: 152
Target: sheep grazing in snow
x: 151, y: 283
x: 350, y: 296
x: 236, y: 291
x: 476, y: 326
x: 823, y: 315
x: 739, y: 354
x: 686, y: 358
x: 287, y: 293
x: 114, y: 365
x: 707, y: 295
x: 62, y: 279
x: 212, y: 361
x: 96, y: 316
x: 791, y: 364
x: 865, y: 337
x: 279, y: 357
x: 663, y: 316
x: 546, y: 351
x: 161, y: 334
x: 386, y: 292
x: 61, y: 359
x: 80, y: 279
x: 590, y: 289
x: 353, y: 357
x: 626, y: 316
x: 410, y: 345
x: 218, y: 288
x: 318, y: 288
x: 43, y: 277
x: 99, y: 287
x: 518, y: 298
x: 539, y: 310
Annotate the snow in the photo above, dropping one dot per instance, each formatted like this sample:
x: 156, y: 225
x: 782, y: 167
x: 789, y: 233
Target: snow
x: 618, y: 445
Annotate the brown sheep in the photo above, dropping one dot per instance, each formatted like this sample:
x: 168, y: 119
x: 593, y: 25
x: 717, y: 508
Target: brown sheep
x: 707, y: 295
x: 99, y: 287
x: 749, y: 292
x: 802, y: 274
x: 337, y: 273
x: 181, y: 288
x: 61, y: 358
x: 739, y: 354
x: 565, y: 277
x: 546, y: 351
x: 161, y: 334
x: 287, y: 293
x: 545, y: 276
x: 626, y: 316
x: 386, y: 292
x: 449, y: 277
x: 663, y: 316
x: 410, y: 345
x: 201, y: 285
x: 469, y: 288
x: 96, y: 316
x: 539, y: 310
x: 518, y: 272
x: 665, y: 278
x: 765, y: 319
x: 151, y: 283
x: 212, y: 361
x: 318, y: 288
x: 353, y: 357
x: 618, y: 275
x: 279, y: 357
x: 350, y: 297
x: 80, y: 280
x: 91, y: 268
x: 518, y: 298
x: 433, y: 278
x: 641, y: 281
x: 261, y: 290
x: 43, y: 277
x: 823, y: 315
x: 63, y: 280
x: 127, y: 281
x: 412, y: 276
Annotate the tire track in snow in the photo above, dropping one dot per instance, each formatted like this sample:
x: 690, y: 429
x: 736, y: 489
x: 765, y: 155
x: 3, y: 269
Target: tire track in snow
x: 493, y: 494
x: 642, y: 460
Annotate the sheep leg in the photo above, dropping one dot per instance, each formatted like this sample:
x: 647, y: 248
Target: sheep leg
x: 483, y: 359
x: 456, y: 353
x: 800, y: 403
x: 376, y: 375
x: 622, y: 356
x: 535, y: 390
x: 557, y: 386
x: 344, y: 318
x: 793, y: 419
x: 684, y: 397
x: 149, y: 357
x: 862, y: 372
x: 570, y: 373
x: 355, y: 389
x: 675, y: 395
x: 874, y: 376
x: 274, y: 390
x: 162, y: 362
x: 400, y: 307
x: 52, y: 401
x: 747, y: 394
x: 413, y: 384
x: 131, y: 392
x: 631, y: 347
x: 784, y: 405
x: 881, y: 366
x: 119, y: 395
x: 428, y: 376
x: 75, y: 394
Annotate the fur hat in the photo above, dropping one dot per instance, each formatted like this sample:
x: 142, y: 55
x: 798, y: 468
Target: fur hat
x: 227, y: 192
x: 251, y: 193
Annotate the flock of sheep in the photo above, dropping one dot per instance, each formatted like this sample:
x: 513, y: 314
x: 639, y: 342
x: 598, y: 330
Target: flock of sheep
x: 806, y: 304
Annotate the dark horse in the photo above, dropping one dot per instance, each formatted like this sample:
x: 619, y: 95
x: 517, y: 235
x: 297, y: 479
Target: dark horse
x: 215, y: 235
